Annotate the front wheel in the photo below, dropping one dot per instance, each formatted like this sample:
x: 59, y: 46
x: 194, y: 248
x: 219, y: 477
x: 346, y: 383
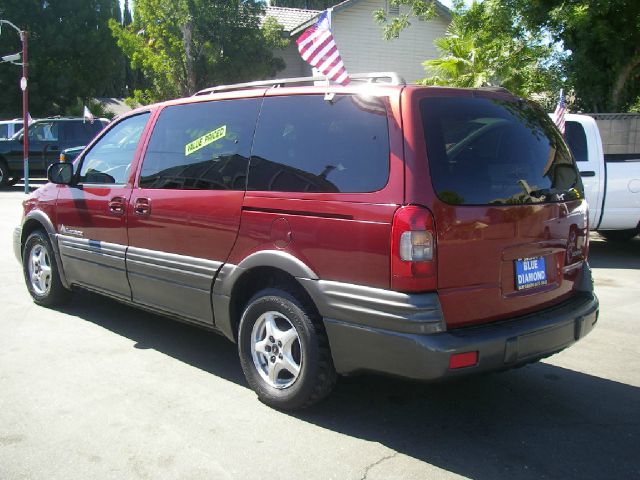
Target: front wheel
x: 41, y: 271
x: 284, y: 351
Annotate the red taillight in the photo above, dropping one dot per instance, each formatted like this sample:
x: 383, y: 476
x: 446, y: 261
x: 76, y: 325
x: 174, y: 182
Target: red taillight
x: 462, y: 360
x: 413, y: 250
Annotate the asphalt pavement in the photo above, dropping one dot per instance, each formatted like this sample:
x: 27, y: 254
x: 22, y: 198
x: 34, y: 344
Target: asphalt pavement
x: 99, y: 390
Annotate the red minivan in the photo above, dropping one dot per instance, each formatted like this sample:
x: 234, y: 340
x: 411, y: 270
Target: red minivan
x: 422, y: 232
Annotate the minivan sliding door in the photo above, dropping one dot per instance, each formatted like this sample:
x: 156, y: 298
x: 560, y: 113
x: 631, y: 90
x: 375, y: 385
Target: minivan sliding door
x: 185, y: 212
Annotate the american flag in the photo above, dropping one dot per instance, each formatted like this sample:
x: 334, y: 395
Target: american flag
x: 558, y: 115
x: 318, y: 48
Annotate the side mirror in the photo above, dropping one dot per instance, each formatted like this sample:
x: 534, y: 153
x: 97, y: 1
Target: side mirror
x: 21, y: 138
x: 60, y: 173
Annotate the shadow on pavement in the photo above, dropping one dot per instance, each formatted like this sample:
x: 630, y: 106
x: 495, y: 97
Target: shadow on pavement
x: 19, y: 187
x: 540, y: 421
x: 604, y: 254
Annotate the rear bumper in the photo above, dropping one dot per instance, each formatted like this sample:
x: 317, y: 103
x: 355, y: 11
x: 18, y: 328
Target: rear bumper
x: 500, y: 345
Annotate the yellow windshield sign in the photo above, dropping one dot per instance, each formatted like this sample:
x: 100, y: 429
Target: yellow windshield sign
x: 206, y: 139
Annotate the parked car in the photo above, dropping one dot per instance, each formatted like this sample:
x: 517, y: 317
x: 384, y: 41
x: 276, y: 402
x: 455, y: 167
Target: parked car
x: 612, y: 185
x: 47, y: 138
x: 9, y: 127
x: 328, y: 231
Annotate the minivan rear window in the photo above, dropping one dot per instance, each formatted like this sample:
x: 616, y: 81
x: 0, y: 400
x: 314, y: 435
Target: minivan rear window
x: 486, y: 151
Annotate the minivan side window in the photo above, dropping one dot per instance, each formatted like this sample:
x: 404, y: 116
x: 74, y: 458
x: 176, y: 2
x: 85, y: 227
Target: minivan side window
x: 577, y: 141
x: 304, y: 143
x: 109, y: 160
x: 201, y: 146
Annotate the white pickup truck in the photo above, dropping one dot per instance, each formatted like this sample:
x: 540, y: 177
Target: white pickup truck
x: 612, y: 188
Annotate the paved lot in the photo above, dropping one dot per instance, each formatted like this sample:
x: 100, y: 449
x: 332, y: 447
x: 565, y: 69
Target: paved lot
x: 99, y: 390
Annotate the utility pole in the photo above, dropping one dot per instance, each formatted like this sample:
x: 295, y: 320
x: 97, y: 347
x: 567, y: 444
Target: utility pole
x: 25, y: 98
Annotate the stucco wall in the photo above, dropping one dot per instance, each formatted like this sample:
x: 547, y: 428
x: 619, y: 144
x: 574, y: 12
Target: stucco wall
x: 363, y: 49
x: 620, y: 132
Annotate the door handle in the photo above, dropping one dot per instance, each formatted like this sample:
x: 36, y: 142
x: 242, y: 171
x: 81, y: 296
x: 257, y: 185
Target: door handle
x: 142, y: 207
x: 117, y: 205
x: 588, y: 173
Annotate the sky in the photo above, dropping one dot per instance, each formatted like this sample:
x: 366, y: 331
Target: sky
x: 447, y: 3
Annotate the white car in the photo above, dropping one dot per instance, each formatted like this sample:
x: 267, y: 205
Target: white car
x: 611, y: 186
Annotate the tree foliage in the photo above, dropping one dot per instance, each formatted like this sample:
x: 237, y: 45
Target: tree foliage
x: 184, y: 45
x: 534, y: 47
x: 484, y: 46
x: 603, y: 38
x: 393, y: 25
x: 71, y: 54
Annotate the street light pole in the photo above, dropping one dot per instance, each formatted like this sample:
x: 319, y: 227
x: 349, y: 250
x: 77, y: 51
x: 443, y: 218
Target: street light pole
x: 25, y: 101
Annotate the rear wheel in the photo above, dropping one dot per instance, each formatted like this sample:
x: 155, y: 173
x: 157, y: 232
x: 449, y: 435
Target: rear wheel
x: 41, y: 271
x: 284, y: 350
x: 618, y: 235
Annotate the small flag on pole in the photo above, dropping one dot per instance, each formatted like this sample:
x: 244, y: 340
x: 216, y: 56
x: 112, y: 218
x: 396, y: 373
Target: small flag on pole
x: 318, y: 48
x: 558, y: 114
x: 88, y: 115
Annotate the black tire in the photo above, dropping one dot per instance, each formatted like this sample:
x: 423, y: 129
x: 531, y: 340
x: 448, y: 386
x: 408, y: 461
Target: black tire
x: 618, y: 235
x: 5, y: 174
x: 46, y: 290
x: 316, y: 376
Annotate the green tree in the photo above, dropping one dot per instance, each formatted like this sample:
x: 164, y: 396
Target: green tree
x: 394, y: 24
x: 485, y: 47
x: 71, y: 54
x: 603, y: 38
x: 184, y: 45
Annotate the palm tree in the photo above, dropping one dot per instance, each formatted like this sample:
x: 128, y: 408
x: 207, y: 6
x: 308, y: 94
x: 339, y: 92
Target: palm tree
x: 461, y: 62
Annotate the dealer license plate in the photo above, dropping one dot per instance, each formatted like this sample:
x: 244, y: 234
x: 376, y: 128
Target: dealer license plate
x: 530, y: 272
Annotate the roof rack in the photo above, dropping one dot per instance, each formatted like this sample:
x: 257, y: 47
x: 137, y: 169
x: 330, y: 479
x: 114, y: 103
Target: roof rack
x: 373, y: 77
x: 489, y: 88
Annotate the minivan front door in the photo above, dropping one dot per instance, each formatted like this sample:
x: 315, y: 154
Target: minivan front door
x: 184, y: 214
x: 91, y: 213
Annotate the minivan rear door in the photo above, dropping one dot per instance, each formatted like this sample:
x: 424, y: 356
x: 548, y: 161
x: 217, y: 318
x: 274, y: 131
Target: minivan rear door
x: 507, y: 202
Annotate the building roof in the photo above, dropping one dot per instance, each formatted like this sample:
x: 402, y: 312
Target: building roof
x: 290, y: 18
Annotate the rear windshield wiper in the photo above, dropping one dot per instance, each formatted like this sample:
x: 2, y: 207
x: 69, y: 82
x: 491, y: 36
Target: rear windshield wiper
x: 550, y: 194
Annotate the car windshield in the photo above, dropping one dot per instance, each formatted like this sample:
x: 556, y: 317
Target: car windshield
x: 487, y: 151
